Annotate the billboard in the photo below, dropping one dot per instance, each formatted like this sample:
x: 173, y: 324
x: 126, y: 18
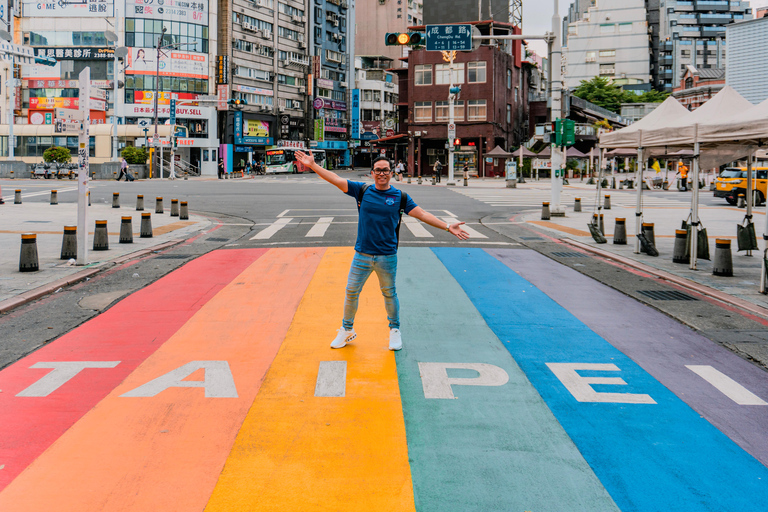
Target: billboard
x: 142, y: 61
x: 71, y: 9
x: 169, y: 10
x: 254, y: 128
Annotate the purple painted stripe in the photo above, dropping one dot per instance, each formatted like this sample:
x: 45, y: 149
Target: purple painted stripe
x: 658, y: 344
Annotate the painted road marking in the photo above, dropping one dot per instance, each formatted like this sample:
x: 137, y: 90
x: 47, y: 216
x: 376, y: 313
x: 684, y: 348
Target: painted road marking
x: 128, y: 332
x: 661, y: 345
x: 128, y: 454
x: 437, y: 384
x: 581, y: 386
x: 727, y: 385
x: 331, y: 379
x: 473, y: 233
x: 217, y: 381
x: 273, y: 228
x: 296, y: 451
x: 63, y: 372
x: 416, y: 228
x: 620, y: 441
x: 493, y: 448
x: 320, y: 227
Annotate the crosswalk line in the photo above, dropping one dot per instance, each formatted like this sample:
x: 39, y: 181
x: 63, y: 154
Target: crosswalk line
x: 473, y: 233
x: 416, y: 228
x: 320, y: 227
x: 270, y: 230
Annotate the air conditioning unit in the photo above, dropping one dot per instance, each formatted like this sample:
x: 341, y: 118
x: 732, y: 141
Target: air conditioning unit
x: 286, y: 62
x: 302, y: 90
x: 297, y: 19
x: 336, y: 22
x: 344, y: 5
x: 265, y: 109
x: 267, y: 34
x: 247, y: 26
x: 336, y: 37
x: 302, y: 45
x: 607, y: 71
x: 281, y: 109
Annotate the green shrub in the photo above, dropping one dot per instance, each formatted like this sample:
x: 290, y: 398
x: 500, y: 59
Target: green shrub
x: 134, y: 155
x: 57, y: 154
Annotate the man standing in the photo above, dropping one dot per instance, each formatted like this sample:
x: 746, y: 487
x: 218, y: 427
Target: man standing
x: 221, y: 168
x: 380, y: 208
x: 438, y: 170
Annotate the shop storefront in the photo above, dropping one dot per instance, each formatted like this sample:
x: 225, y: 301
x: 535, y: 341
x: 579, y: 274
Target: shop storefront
x: 331, y: 132
x: 251, y: 136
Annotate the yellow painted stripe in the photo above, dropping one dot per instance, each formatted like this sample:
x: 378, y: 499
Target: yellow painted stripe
x: 296, y: 451
x: 165, y: 452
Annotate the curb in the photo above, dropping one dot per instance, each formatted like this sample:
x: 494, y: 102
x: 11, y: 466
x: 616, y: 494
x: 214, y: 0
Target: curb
x: 40, y: 291
x: 679, y: 281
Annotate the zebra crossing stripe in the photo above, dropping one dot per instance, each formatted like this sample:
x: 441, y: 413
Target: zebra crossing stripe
x: 270, y: 230
x: 416, y: 228
x: 320, y: 227
x: 473, y: 233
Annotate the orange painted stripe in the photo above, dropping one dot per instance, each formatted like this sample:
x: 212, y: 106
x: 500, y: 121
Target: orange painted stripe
x: 296, y: 451
x: 166, y: 452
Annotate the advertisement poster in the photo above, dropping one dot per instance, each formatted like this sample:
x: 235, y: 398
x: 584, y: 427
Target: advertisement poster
x: 354, y: 125
x: 223, y: 96
x: 142, y: 61
x: 176, y: 10
x: 319, y: 130
x: 163, y: 98
x: 253, y: 128
x: 73, y: 9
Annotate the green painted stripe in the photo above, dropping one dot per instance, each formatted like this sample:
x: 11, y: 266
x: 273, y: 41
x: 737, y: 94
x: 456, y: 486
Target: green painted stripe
x: 490, y: 448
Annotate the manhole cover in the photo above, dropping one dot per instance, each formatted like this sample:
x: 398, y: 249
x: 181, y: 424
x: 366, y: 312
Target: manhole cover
x: 217, y: 239
x: 666, y: 295
x: 567, y: 254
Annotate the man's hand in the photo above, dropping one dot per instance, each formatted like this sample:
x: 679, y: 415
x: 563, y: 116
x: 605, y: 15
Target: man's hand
x: 305, y: 159
x: 455, y: 229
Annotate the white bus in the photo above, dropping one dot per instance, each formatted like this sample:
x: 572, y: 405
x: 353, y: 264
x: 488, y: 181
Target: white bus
x: 283, y: 160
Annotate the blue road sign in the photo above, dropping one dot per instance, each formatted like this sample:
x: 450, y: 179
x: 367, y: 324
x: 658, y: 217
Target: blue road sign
x: 449, y: 37
x: 173, y: 111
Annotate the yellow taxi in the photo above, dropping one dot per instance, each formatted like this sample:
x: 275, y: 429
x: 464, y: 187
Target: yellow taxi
x: 733, y: 181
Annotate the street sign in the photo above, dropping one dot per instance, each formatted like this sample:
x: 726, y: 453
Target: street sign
x: 173, y: 111
x: 449, y: 37
x: 68, y: 114
x: 99, y: 94
x: 451, y: 130
x: 207, y: 97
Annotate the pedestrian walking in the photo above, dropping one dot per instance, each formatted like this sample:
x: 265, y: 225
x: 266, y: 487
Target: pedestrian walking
x: 399, y: 170
x: 124, y: 171
x: 221, y: 168
x: 438, y: 170
x: 380, y: 208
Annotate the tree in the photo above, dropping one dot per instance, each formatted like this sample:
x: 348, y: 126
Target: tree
x: 601, y: 92
x: 57, y: 154
x: 134, y: 155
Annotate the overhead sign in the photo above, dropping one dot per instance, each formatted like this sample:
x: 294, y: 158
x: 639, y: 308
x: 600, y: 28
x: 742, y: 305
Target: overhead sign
x: 185, y: 11
x: 449, y: 37
x: 73, y: 9
x: 222, y: 69
x: 141, y: 61
x: 68, y: 114
x: 182, y: 112
x: 99, y: 94
x: 76, y: 53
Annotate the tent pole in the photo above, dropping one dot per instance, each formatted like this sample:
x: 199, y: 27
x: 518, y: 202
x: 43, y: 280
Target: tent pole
x: 750, y: 187
x: 639, y: 209
x: 695, y: 206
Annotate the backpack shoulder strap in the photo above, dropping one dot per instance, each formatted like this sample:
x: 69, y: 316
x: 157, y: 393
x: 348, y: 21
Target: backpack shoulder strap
x: 361, y: 194
x: 403, y: 203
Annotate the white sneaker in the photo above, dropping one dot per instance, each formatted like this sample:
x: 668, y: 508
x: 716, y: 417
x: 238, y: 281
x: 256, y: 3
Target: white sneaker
x: 395, y: 340
x: 343, y: 337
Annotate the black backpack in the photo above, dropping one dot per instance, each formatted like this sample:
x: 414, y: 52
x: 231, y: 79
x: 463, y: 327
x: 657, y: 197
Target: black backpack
x: 403, y: 202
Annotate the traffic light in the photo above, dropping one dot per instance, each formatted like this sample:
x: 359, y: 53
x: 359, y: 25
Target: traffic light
x: 457, y: 142
x: 564, y: 131
x: 404, y: 38
x: 237, y: 103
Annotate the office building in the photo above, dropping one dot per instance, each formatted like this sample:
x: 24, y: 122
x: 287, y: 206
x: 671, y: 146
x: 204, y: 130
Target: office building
x: 743, y: 72
x: 376, y: 18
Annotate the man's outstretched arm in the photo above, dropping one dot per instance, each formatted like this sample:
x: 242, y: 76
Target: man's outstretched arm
x: 307, y: 160
x: 428, y: 218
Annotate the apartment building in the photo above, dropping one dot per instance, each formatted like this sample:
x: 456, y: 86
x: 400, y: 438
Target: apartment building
x: 374, y: 106
x: 743, y: 72
x: 375, y: 18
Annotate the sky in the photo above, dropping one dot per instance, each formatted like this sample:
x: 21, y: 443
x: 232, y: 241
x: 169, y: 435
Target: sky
x: 537, y: 18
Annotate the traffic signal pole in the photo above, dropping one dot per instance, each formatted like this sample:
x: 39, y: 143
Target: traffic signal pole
x: 557, y: 154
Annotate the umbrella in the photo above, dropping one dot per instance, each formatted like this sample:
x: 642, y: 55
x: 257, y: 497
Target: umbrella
x: 574, y: 153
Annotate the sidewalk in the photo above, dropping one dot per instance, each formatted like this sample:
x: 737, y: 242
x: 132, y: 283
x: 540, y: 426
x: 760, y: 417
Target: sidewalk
x: 48, y: 221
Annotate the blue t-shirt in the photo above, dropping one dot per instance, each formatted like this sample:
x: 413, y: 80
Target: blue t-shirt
x: 379, y: 215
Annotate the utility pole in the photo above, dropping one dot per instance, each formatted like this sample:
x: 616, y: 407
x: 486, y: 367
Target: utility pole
x: 557, y: 157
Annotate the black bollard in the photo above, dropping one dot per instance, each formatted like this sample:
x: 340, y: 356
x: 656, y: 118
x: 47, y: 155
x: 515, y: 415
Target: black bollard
x: 601, y: 224
x: 139, y: 203
x: 648, y: 231
x: 116, y: 200
x: 681, y: 243
x: 100, y: 236
x: 126, y: 230
x: 620, y: 232
x: 545, y: 211
x: 577, y: 204
x: 184, y: 213
x: 69, y: 243
x: 159, y: 205
x: 174, y: 207
x: 723, y: 265
x: 146, y: 225
x: 28, y: 256
x: 17, y: 197
x: 54, y: 197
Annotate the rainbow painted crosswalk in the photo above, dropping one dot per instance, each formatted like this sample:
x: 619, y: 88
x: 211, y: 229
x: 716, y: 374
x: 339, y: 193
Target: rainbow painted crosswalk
x: 523, y: 385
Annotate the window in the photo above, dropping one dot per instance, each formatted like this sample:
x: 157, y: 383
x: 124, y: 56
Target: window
x: 607, y: 53
x: 591, y: 57
x: 509, y: 113
x: 509, y: 79
x: 475, y: 72
x: 458, y: 111
x: 625, y: 27
x: 442, y: 112
x: 422, y: 112
x: 608, y: 28
x: 442, y: 74
x: 476, y: 110
x: 423, y: 74
x: 607, y: 69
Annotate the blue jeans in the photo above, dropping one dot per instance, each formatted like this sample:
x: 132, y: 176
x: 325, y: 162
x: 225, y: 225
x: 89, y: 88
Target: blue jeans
x: 386, y: 270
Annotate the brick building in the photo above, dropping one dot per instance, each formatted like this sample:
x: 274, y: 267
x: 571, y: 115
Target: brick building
x: 490, y: 111
x: 699, y: 85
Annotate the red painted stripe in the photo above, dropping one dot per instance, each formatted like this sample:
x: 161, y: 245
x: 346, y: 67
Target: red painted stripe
x: 129, y: 332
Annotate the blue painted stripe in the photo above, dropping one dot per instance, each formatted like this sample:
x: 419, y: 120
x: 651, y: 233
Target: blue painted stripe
x: 661, y: 456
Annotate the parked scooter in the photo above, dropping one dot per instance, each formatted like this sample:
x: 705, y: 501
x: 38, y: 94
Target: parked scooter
x: 43, y: 170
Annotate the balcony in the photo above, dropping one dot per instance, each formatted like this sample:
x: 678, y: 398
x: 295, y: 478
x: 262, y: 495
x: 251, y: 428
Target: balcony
x: 712, y: 5
x: 714, y: 19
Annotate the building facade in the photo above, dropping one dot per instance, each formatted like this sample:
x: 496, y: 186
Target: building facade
x: 742, y: 71
x: 609, y: 40
x: 697, y: 86
x: 375, y: 97
x: 376, y: 18
x: 491, y: 110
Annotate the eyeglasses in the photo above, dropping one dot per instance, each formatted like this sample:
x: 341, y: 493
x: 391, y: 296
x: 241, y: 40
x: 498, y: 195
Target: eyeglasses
x: 382, y: 171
